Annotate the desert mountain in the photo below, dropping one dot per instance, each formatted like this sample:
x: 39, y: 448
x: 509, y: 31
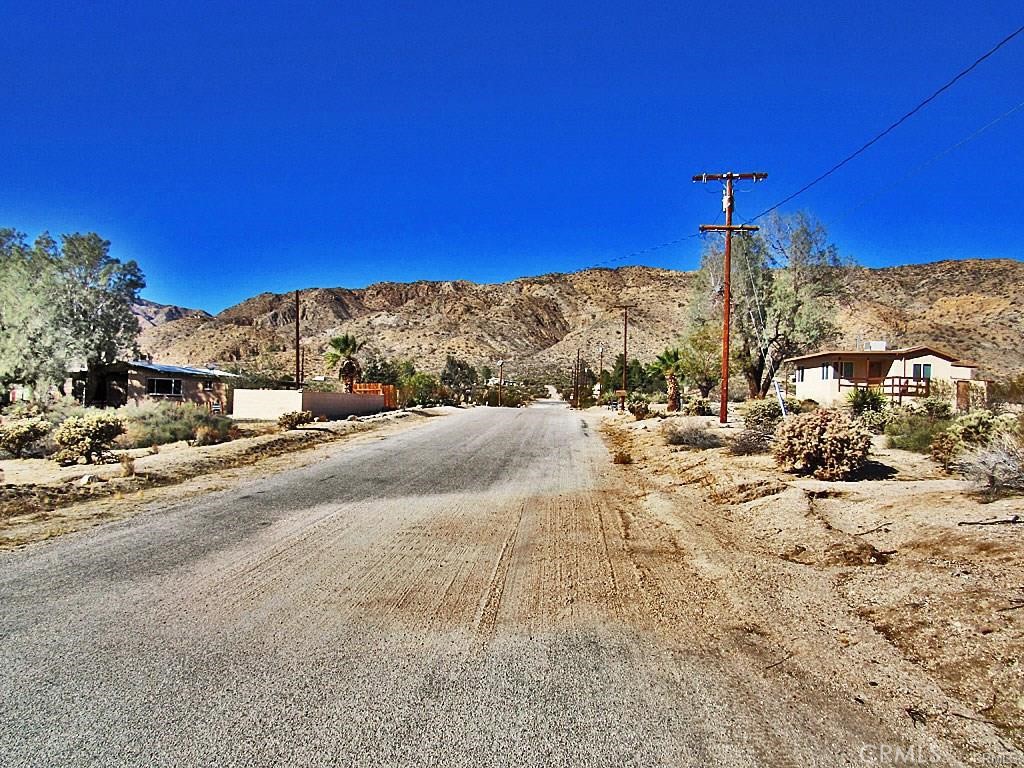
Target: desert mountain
x: 151, y: 314
x: 973, y: 308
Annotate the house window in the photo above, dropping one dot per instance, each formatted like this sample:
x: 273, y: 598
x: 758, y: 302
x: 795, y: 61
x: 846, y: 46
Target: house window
x: 800, y: 374
x: 207, y: 386
x: 826, y: 371
x: 923, y: 371
x: 164, y: 387
x: 846, y: 370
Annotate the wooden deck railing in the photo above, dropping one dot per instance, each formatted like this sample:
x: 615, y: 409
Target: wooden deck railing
x: 896, y: 387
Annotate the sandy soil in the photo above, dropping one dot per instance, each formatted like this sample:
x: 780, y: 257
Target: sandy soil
x: 41, y: 499
x: 876, y: 584
x: 488, y: 589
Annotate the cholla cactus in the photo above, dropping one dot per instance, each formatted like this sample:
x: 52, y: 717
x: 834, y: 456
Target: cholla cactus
x: 294, y: 419
x: 86, y: 437
x: 825, y: 443
x: 16, y: 436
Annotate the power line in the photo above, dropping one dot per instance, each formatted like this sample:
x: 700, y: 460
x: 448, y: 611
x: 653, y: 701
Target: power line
x: 934, y: 159
x: 962, y: 73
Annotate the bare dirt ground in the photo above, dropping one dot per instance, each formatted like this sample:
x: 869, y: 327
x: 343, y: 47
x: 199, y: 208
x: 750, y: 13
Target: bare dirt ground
x: 42, y: 499
x: 877, y: 584
x: 486, y: 589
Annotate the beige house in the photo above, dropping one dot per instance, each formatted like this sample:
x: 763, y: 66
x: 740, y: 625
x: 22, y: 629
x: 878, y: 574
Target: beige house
x: 900, y: 374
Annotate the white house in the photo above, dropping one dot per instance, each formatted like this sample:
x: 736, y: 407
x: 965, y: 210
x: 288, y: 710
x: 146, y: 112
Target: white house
x: 828, y: 377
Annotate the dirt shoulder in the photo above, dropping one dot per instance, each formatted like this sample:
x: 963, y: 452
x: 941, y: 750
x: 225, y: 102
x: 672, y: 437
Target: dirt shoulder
x: 876, y: 585
x: 70, y: 499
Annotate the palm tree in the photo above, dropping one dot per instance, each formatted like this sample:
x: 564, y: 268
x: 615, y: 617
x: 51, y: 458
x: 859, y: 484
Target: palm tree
x: 669, y: 364
x: 340, y: 353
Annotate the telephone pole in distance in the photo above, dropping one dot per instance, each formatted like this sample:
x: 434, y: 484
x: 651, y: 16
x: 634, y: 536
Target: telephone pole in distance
x: 728, y: 228
x: 625, y: 350
x: 298, y: 346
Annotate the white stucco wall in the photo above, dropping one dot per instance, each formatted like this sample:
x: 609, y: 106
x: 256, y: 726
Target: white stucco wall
x: 265, y: 404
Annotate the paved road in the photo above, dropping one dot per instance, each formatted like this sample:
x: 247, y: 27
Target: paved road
x: 462, y: 593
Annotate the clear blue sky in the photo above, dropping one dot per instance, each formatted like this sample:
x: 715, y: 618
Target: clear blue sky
x: 237, y: 148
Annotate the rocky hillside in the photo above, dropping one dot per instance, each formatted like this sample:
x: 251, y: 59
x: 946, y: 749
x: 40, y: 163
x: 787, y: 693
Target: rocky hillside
x: 150, y: 314
x: 972, y: 308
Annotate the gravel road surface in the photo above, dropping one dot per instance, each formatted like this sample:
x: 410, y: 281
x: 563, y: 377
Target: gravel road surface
x: 472, y: 592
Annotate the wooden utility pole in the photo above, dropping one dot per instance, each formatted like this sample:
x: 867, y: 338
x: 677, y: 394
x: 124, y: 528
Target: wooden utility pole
x: 625, y: 350
x: 579, y: 379
x: 600, y: 371
x: 298, y: 347
x: 728, y: 228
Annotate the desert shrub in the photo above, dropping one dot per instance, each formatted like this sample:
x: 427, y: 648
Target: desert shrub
x: 622, y: 457
x: 24, y: 409
x: 945, y: 449
x: 86, y: 437
x: 512, y: 396
x: 935, y: 407
x: 826, y: 443
x: 874, y: 421
x: 18, y: 436
x: 911, y: 430
x: 1006, y: 391
x: 864, y: 399
x: 211, y: 435
x: 748, y: 442
x: 127, y: 465
x: 970, y: 430
x: 695, y: 406
x: 639, y: 406
x: 976, y: 427
x: 294, y: 419
x: 765, y: 415
x: 159, y: 423
x: 808, y: 405
x: 998, y: 466
x: 690, y: 435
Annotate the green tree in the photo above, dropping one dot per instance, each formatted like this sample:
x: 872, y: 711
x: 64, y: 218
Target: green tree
x: 638, y: 378
x: 96, y: 294
x: 382, y: 370
x: 787, y: 281
x: 66, y: 302
x: 422, y: 389
x: 458, y: 374
x: 32, y: 345
x: 340, y: 354
x: 700, y: 357
x: 669, y: 364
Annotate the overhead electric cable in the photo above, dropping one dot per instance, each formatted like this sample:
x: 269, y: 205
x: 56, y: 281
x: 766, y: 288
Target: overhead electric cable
x: 934, y: 159
x: 961, y: 74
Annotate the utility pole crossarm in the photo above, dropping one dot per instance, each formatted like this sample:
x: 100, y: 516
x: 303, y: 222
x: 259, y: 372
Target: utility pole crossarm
x: 731, y: 228
x: 704, y: 178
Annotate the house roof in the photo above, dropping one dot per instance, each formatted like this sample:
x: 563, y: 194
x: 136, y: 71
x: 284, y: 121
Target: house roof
x: 176, y: 370
x: 180, y: 370
x: 881, y: 354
